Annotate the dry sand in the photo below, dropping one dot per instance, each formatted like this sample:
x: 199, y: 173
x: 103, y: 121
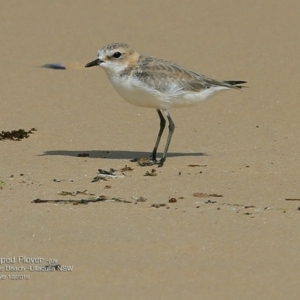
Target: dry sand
x: 243, y: 245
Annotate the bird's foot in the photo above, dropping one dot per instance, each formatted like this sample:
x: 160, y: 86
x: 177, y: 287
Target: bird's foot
x: 158, y: 162
x: 144, y: 161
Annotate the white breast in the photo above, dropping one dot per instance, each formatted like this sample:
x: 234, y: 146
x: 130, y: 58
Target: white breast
x: 137, y: 93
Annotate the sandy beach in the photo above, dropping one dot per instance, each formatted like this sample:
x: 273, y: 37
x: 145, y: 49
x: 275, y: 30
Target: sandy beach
x: 218, y: 221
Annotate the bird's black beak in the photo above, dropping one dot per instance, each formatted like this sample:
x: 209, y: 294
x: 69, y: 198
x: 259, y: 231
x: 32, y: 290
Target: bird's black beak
x: 94, y: 63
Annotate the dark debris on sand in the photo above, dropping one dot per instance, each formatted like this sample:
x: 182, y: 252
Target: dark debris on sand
x: 55, y: 66
x: 16, y: 135
x: 101, y: 198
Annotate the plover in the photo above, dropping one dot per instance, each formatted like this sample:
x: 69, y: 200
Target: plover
x: 152, y: 82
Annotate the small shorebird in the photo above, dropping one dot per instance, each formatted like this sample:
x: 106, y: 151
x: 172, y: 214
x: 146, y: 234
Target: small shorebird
x: 156, y: 83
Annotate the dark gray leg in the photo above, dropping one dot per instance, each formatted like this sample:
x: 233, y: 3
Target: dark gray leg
x: 161, y: 130
x: 171, y: 131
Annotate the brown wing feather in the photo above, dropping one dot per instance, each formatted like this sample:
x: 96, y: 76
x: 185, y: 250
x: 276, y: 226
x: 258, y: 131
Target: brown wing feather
x: 159, y: 74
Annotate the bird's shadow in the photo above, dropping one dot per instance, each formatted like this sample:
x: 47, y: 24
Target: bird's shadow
x: 113, y: 154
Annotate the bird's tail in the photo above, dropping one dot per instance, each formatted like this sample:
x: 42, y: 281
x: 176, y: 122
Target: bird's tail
x: 235, y: 83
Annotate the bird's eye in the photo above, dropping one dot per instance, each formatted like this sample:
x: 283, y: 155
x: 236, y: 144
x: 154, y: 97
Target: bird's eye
x: 117, y: 54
